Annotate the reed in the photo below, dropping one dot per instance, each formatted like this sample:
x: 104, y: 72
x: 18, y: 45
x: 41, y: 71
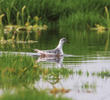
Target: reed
x: 55, y: 10
x: 22, y: 29
x: 108, y: 17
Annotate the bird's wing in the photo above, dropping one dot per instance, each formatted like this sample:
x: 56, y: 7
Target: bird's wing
x: 45, y: 51
x: 49, y: 51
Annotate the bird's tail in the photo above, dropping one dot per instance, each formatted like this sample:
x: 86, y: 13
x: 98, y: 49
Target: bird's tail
x: 37, y: 50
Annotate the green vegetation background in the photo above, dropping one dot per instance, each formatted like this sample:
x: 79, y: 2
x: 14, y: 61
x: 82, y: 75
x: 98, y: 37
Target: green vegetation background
x: 65, y: 18
x: 75, y: 14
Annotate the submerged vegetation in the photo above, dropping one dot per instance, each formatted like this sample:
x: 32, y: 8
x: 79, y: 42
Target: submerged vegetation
x: 28, y: 94
x: 103, y: 74
x: 21, y: 70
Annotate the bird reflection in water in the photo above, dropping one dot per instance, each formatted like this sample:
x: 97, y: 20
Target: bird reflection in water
x: 52, y: 59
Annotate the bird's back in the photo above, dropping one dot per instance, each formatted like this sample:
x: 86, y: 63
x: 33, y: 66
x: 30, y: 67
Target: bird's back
x: 56, y: 51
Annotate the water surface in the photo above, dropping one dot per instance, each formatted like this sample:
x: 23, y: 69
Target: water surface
x: 90, y: 56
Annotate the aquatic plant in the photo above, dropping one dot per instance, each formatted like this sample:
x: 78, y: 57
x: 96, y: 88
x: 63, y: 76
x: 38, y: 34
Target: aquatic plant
x: 53, y: 75
x: 23, y: 29
x: 108, y: 18
x: 14, y: 69
x: 89, y: 87
x: 28, y: 94
x: 100, y: 28
x: 102, y: 74
x: 18, y: 70
x: 1, y: 27
x: 57, y: 12
x: 59, y: 90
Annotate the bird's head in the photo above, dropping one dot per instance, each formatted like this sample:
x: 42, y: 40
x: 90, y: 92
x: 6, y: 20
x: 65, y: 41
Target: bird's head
x: 63, y: 40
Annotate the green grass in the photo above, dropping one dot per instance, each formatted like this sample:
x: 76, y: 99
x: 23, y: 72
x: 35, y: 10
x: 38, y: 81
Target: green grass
x: 79, y: 20
x: 21, y: 72
x: 30, y: 94
x: 64, y: 16
x: 83, y: 12
x: 102, y: 74
x: 13, y: 61
x: 18, y: 71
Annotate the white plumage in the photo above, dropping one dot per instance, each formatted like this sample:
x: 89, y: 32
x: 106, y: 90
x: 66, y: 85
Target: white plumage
x: 57, y: 51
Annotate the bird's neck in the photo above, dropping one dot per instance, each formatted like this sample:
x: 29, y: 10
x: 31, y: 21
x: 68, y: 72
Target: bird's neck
x: 60, y: 45
x: 60, y: 48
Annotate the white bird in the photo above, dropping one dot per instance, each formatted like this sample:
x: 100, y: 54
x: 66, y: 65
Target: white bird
x: 58, y: 51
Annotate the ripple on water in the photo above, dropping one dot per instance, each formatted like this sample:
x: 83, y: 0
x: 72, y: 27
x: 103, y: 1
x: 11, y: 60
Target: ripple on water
x: 84, y: 86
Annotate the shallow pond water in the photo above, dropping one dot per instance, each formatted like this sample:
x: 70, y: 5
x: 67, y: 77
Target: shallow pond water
x: 85, y: 83
x: 88, y: 56
x: 91, y: 56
